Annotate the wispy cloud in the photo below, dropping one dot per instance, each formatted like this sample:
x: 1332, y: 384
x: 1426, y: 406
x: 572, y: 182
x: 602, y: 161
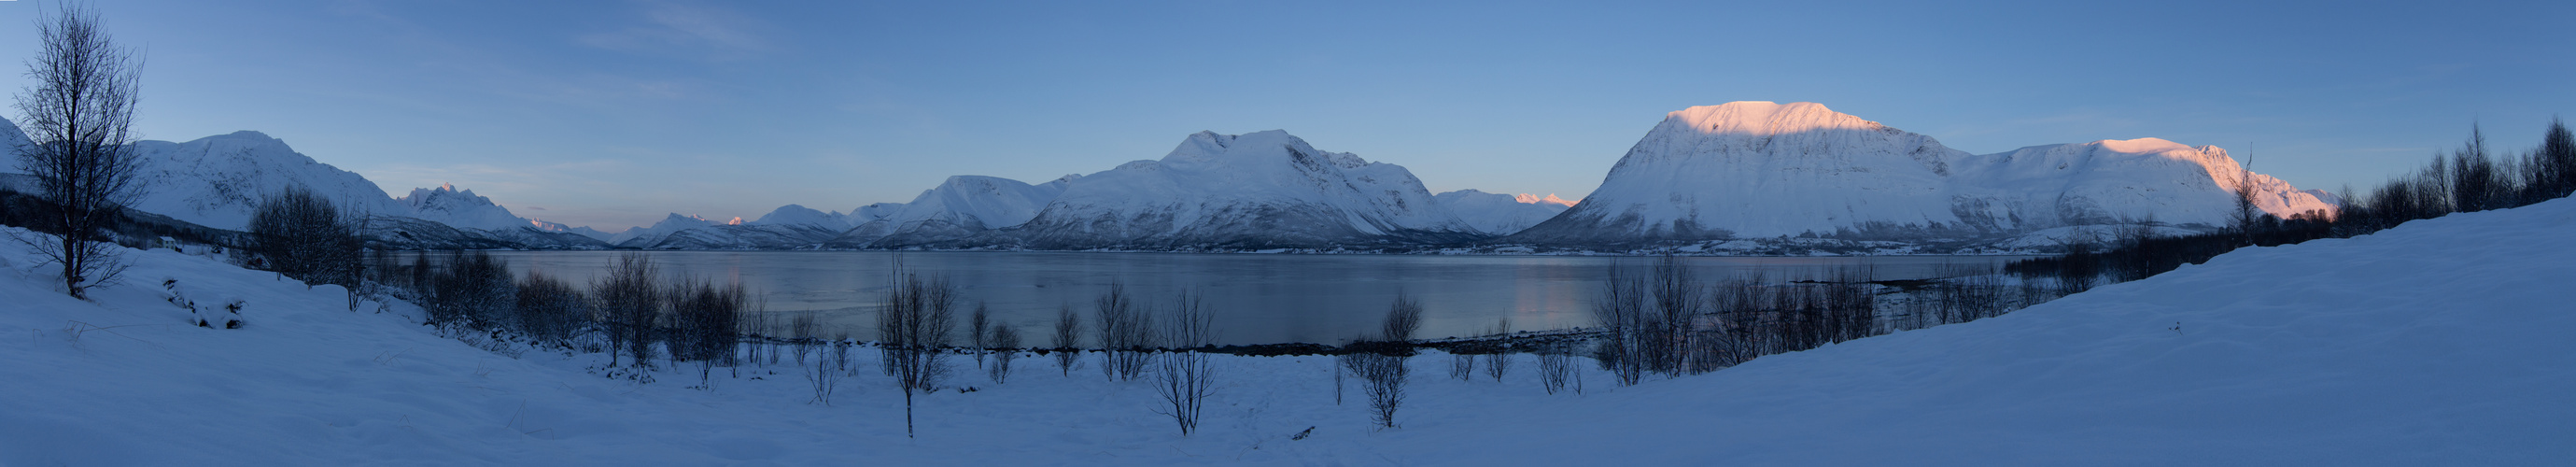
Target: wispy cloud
x: 698, y: 31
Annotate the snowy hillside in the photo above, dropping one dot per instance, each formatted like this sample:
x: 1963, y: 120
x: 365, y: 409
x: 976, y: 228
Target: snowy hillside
x: 1257, y: 190
x: 218, y: 181
x: 1500, y: 214
x: 2438, y: 342
x: 1763, y: 170
x: 2106, y: 182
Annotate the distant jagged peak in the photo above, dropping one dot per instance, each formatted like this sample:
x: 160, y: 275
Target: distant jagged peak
x: 444, y: 193
x: 1526, y: 198
x: 1763, y: 118
x: 678, y: 219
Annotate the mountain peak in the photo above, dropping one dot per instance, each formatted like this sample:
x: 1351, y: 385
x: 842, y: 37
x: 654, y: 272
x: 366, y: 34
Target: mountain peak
x: 1526, y: 198
x: 1762, y: 118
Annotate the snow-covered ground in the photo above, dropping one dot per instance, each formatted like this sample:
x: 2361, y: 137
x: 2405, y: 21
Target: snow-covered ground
x: 2442, y: 342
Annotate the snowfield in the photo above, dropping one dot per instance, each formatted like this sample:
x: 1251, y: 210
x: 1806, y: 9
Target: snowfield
x: 2441, y: 342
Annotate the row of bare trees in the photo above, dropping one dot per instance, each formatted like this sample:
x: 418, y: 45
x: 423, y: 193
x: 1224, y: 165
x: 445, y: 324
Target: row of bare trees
x: 1665, y: 320
x: 631, y: 312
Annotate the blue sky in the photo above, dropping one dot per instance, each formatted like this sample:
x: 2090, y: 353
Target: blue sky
x: 612, y: 113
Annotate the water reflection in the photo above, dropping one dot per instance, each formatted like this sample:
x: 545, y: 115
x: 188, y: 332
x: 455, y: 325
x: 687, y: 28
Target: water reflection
x: 1256, y: 298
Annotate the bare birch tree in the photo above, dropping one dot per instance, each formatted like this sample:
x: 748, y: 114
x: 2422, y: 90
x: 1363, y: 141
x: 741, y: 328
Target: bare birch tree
x: 1183, y: 376
x: 77, y: 118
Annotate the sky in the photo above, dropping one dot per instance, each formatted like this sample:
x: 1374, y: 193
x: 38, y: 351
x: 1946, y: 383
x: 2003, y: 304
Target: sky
x: 614, y: 113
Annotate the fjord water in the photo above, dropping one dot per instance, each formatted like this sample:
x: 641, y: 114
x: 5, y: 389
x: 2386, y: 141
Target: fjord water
x: 1256, y: 298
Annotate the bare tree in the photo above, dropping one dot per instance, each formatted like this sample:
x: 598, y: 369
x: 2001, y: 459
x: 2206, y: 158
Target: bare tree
x: 1462, y: 365
x: 77, y: 118
x: 801, y: 336
x: 2553, y: 166
x: 1621, y: 311
x: 1381, y: 367
x: 979, y: 329
x: 914, y: 329
x: 2247, y: 217
x: 1555, y: 370
x: 1402, y: 320
x: 1126, y: 334
x: 1068, y: 337
x: 1007, y: 341
x: 630, y: 301
x: 1382, y: 377
x: 1678, y: 300
x: 1182, y: 375
x: 708, y: 318
x: 1500, y: 361
x: 824, y: 375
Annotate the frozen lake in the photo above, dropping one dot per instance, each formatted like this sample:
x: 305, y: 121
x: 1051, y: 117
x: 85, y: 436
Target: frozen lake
x: 1256, y: 298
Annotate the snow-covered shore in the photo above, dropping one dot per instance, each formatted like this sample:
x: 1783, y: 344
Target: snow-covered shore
x: 2437, y: 342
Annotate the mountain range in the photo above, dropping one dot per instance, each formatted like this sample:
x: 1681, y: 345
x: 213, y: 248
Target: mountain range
x: 1754, y: 177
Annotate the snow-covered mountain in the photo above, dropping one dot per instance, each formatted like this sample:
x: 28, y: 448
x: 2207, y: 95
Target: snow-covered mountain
x: 961, y: 207
x: 788, y: 227
x: 795, y: 214
x: 218, y: 181
x: 1500, y: 214
x: 1258, y: 190
x: 460, y: 208
x: 1751, y: 170
x: 647, y: 235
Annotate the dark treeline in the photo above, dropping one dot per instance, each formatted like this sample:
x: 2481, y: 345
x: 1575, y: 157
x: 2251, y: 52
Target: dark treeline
x: 2469, y: 179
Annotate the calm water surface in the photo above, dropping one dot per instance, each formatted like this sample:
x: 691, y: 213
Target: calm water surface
x: 1256, y: 298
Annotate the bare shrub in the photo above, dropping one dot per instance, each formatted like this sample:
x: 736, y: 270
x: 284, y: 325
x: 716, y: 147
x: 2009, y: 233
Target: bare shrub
x: 1068, y: 336
x: 1007, y: 343
x: 551, y: 312
x: 473, y: 293
x: 1183, y: 376
x: 914, y: 328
